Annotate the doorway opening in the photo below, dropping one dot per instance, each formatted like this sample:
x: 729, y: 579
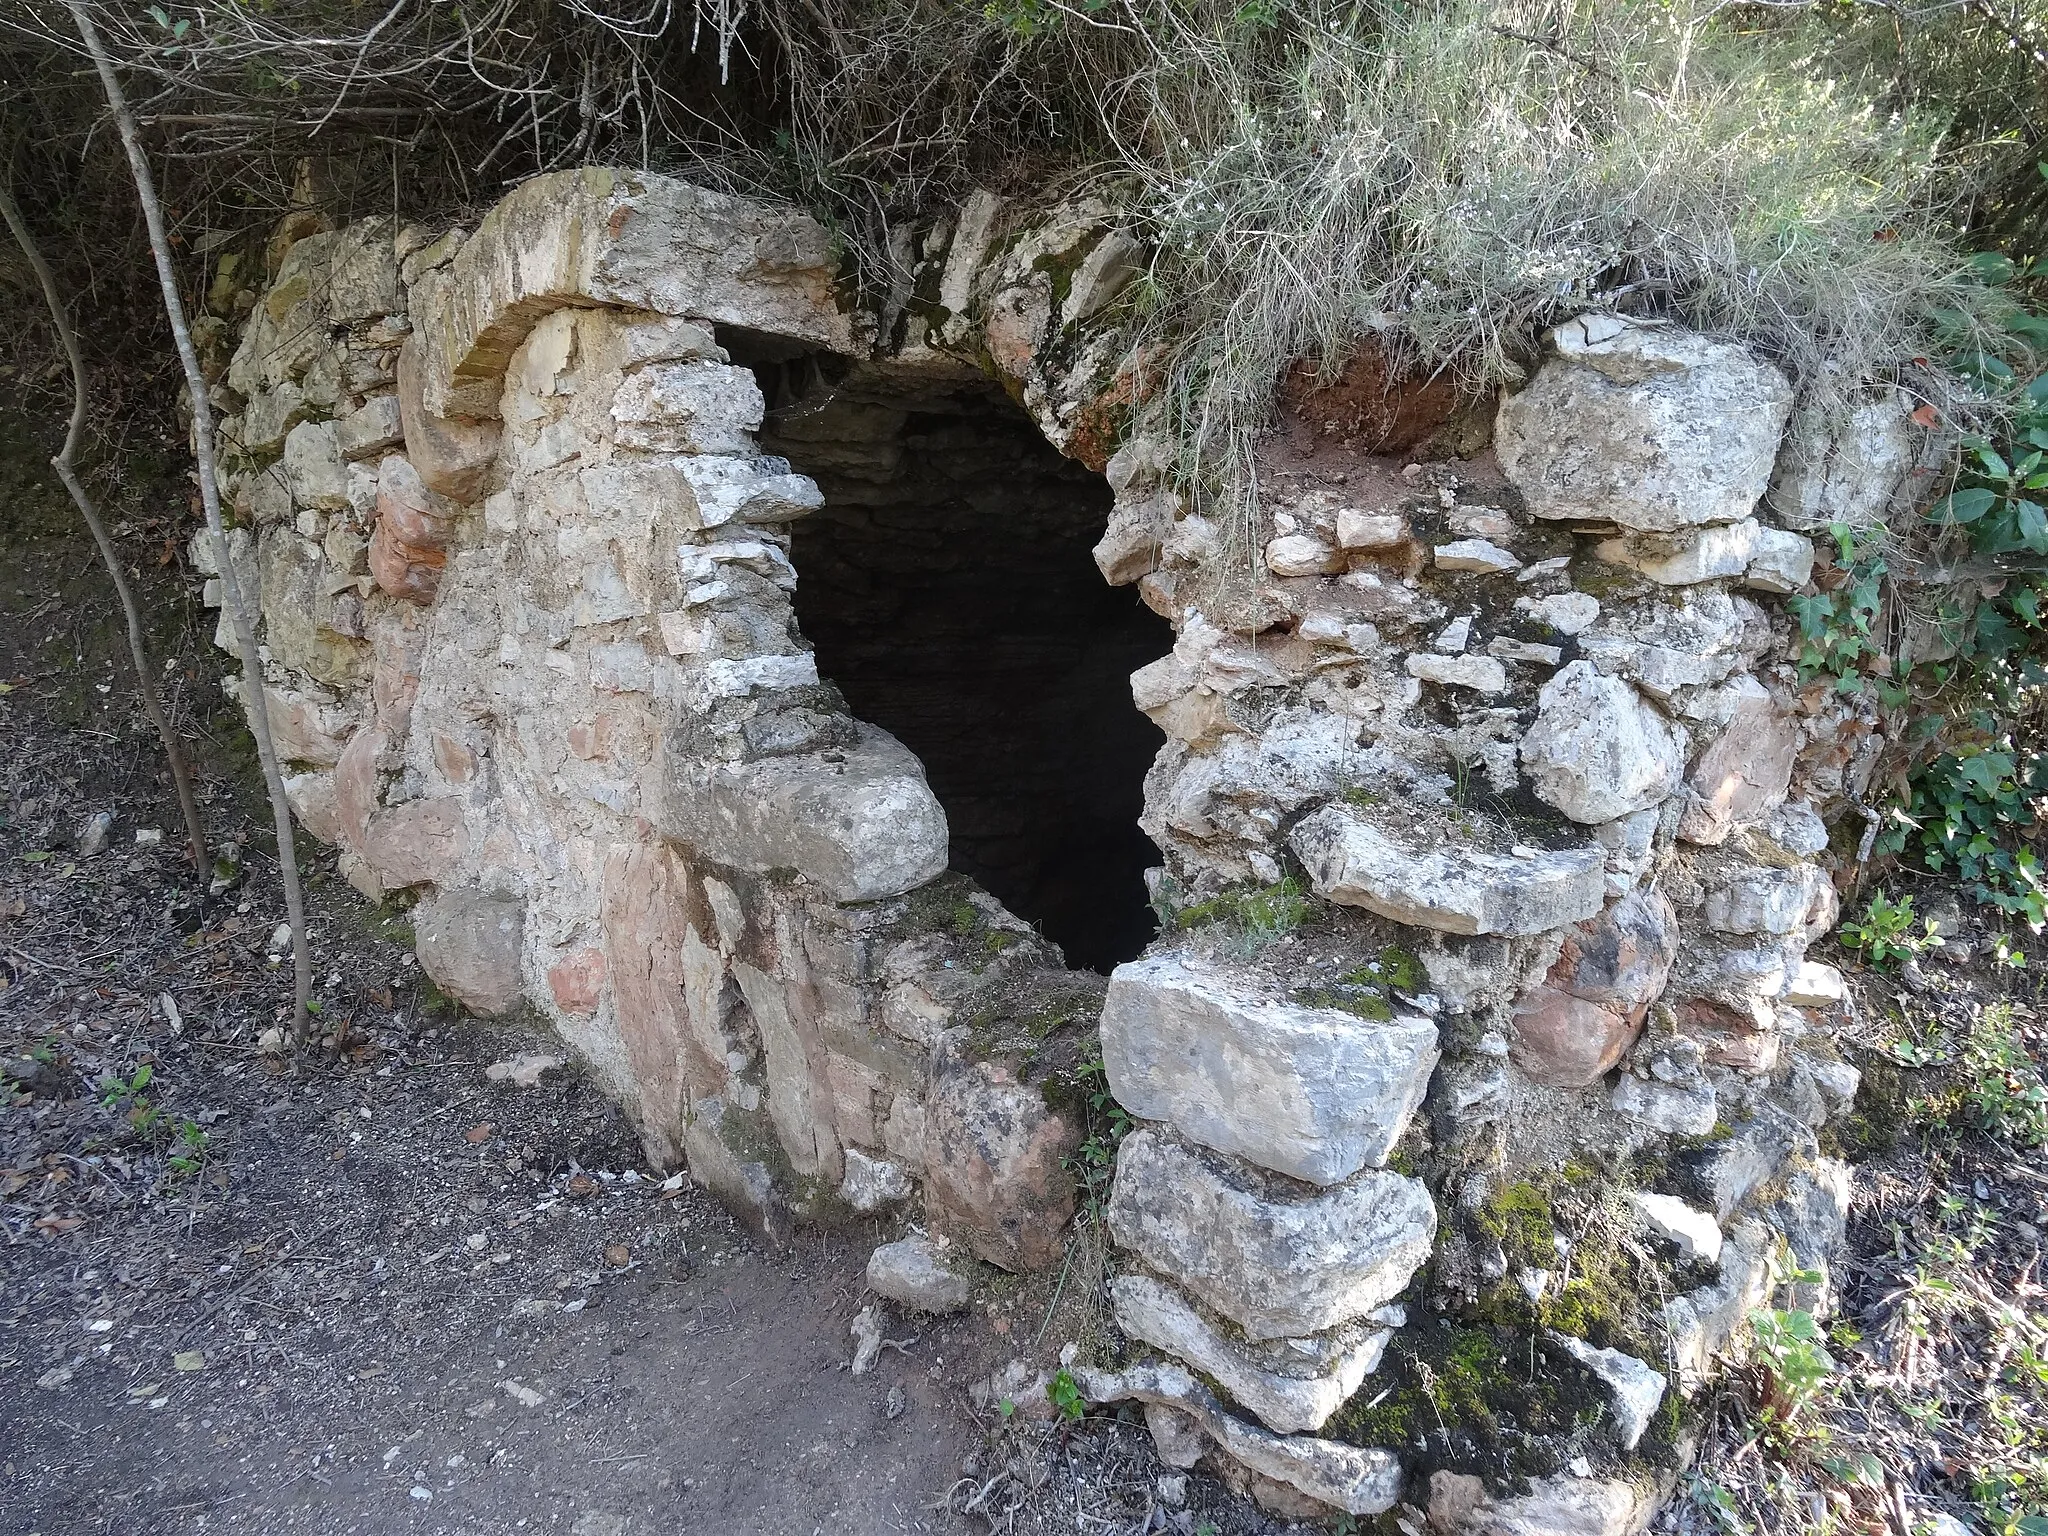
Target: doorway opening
x: 949, y: 590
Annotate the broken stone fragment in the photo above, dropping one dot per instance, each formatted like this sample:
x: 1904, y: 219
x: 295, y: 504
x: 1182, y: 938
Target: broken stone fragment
x: 1635, y: 1389
x: 1575, y: 1024
x: 1597, y: 751
x: 451, y: 457
x: 872, y: 1183
x: 313, y: 467
x: 1845, y: 465
x: 471, y: 945
x: 1367, y: 532
x: 1314, y: 1093
x: 1302, y: 554
x: 1275, y: 1262
x: 1566, y: 612
x: 913, y: 1273
x: 1702, y: 1323
x: 1783, y: 562
x: 1482, y: 674
x: 1475, y: 555
x: 1131, y: 544
x: 1649, y: 426
x: 1743, y: 774
x: 1693, y: 1232
x: 1673, y: 1109
x: 860, y: 822
x: 995, y: 1159
x: 688, y: 407
x: 1449, y: 887
x: 1347, y: 1477
x: 1290, y: 1389
x: 1686, y: 559
x: 409, y: 547
x: 1564, y: 1505
x: 371, y: 429
x: 1815, y: 985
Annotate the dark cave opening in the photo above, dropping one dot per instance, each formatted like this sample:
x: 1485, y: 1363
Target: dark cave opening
x: 949, y: 589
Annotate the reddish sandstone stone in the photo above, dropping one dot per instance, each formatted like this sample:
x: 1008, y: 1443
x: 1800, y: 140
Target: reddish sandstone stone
x: 1575, y: 1024
x: 995, y: 1166
x: 577, y: 981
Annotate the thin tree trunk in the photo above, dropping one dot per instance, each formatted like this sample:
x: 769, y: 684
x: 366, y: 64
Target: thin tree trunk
x: 64, y: 463
x: 239, y: 612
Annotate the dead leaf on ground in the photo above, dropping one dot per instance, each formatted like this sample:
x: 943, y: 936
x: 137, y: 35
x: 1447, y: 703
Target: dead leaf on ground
x: 478, y: 1134
x: 618, y: 1255
x: 582, y: 1184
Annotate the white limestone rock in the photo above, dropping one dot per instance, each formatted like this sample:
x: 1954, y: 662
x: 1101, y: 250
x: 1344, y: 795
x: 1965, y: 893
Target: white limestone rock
x: 1288, y: 1396
x: 1674, y: 1109
x: 313, y: 467
x: 1597, y: 750
x: 862, y: 826
x: 873, y: 1183
x: 1450, y: 887
x: 914, y: 1273
x: 1845, y: 466
x: 1369, y: 531
x: 1314, y: 1093
x: 1476, y: 555
x: 1815, y: 985
x: 1274, y: 1262
x: 1301, y: 554
x: 688, y: 407
x: 1566, y: 612
x: 371, y: 430
x: 1781, y: 561
x: 1636, y: 1390
x: 1649, y: 426
x: 1703, y: 1324
x: 1686, y: 558
x: 1693, y: 1232
x: 1482, y: 674
x: 1356, y: 1480
x: 1564, y: 1505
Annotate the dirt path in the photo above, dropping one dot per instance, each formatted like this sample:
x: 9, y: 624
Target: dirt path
x: 394, y: 1294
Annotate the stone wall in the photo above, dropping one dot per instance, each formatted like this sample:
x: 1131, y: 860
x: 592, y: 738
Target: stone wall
x: 1492, y: 819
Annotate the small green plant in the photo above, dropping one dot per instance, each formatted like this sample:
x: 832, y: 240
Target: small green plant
x: 126, y: 1097
x: 2003, y: 1093
x: 1889, y: 931
x: 1967, y: 814
x: 1795, y: 1366
x: 188, y: 1150
x: 1106, y: 1123
x: 1261, y: 913
x: 1838, y: 626
x: 1065, y: 1393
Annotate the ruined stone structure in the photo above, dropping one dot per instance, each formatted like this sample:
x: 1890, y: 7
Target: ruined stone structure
x: 1487, y: 814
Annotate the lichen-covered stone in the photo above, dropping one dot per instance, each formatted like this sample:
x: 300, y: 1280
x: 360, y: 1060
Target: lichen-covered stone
x: 1275, y: 1263
x: 1652, y: 427
x: 1315, y: 1093
x: 1597, y: 751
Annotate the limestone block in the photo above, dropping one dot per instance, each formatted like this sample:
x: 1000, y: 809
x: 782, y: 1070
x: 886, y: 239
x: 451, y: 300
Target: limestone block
x: 1811, y: 1212
x: 1302, y: 554
x: 1356, y: 1480
x: 1451, y: 888
x: 722, y: 490
x: 1288, y: 1395
x: 450, y: 456
x: 1367, y: 532
x: 1815, y: 985
x: 914, y: 1273
x: 1274, y: 1262
x: 1566, y: 612
x: 606, y: 237
x: 1672, y: 1109
x: 313, y: 467
x: 1574, y: 1025
x: 995, y: 1166
x: 873, y: 1183
x: 1104, y: 272
x: 1703, y: 1323
x: 1315, y: 1093
x: 311, y: 797
x: 1687, y: 558
x: 861, y: 825
x: 1482, y: 674
x: 1693, y: 1232
x: 1846, y: 465
x: 1597, y: 751
x: 1633, y: 1387
x: 1743, y: 775
x: 371, y: 429
x: 306, y: 728
x: 1783, y: 562
x: 1459, y: 1505
x: 1774, y: 901
x: 1475, y: 555
x: 1652, y: 427
x: 1130, y: 546
x: 688, y: 407
x: 471, y: 945
x: 298, y: 612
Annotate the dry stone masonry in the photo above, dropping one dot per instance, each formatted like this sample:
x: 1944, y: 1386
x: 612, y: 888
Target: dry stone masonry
x: 1491, y: 818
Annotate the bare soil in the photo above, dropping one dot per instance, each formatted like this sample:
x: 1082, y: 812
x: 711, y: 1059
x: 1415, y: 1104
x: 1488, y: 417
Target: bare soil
x: 377, y: 1290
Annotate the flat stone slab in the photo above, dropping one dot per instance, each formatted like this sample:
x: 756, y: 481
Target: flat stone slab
x: 1315, y: 1093
x: 1289, y: 1395
x: 1453, y: 889
x: 1276, y: 1264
